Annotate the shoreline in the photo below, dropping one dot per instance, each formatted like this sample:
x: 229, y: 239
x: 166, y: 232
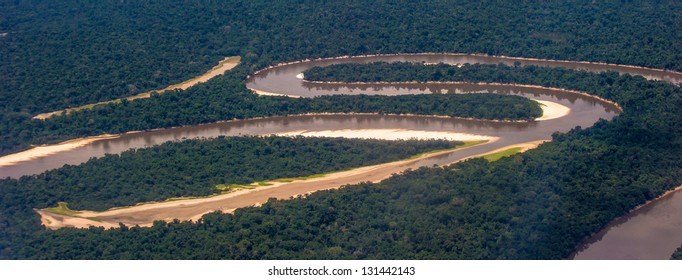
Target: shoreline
x: 46, y: 150
x: 224, y: 65
x: 29, y: 154
x: 585, y: 243
x: 556, y: 111
x: 524, y: 147
x: 86, y: 218
x: 389, y: 134
x: 480, y: 55
x: 582, y: 93
x: 551, y: 110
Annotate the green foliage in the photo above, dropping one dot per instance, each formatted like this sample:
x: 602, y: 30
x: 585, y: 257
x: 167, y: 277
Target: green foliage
x: 62, y: 209
x: 231, y: 100
x: 538, y: 204
x: 195, y: 167
x: 69, y: 53
x: 496, y: 156
x: 535, y: 205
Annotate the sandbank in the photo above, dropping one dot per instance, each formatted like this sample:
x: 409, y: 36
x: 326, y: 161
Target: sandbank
x: 42, y: 151
x: 551, y: 110
x: 266, y: 93
x: 192, y: 209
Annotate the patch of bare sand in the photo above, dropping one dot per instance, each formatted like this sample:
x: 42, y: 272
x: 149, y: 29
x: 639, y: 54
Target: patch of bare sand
x: 224, y: 65
x: 390, y: 134
x: 57, y: 221
x: 266, y: 93
x: 193, y: 209
x: 42, y: 151
x: 552, y: 110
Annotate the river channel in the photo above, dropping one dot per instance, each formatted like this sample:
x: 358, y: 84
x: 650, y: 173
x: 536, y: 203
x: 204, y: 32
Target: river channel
x: 585, y: 111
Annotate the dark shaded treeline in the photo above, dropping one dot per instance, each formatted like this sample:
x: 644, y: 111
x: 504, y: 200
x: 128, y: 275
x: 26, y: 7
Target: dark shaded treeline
x: 187, y: 168
x: 60, y: 54
x: 538, y: 205
x: 677, y: 255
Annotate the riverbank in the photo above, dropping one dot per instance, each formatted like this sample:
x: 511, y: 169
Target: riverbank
x: 614, y: 241
x: 620, y: 109
x: 391, y: 134
x: 551, y: 110
x: 192, y: 209
x: 511, y: 60
x: 224, y: 65
x: 43, y: 151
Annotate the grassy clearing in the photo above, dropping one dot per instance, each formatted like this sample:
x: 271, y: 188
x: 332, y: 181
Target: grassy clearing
x: 496, y: 156
x: 62, y: 209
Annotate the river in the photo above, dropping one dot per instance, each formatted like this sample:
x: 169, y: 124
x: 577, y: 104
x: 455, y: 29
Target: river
x: 585, y: 111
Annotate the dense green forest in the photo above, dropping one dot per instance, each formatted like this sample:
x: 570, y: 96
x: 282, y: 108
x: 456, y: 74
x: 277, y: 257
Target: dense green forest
x: 60, y: 54
x: 195, y: 167
x: 69, y: 53
x: 538, y: 205
x: 187, y: 168
x: 204, y: 104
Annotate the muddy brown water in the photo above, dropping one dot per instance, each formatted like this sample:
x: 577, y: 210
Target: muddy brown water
x: 652, y: 232
x: 660, y: 233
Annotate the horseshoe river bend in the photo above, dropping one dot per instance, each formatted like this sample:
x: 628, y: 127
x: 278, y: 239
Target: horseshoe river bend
x: 650, y: 232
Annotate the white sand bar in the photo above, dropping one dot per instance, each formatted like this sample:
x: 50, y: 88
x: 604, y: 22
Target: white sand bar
x: 265, y: 93
x: 390, y: 134
x: 552, y: 110
x: 43, y: 151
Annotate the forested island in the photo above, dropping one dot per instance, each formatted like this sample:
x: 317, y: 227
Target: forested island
x: 536, y: 205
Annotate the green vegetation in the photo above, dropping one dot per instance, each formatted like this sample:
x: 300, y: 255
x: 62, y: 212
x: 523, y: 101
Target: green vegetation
x: 233, y: 59
x: 210, y: 104
x: 62, y: 209
x: 537, y: 205
x: 206, y: 166
x: 498, y: 155
x: 125, y: 48
x: 463, y: 145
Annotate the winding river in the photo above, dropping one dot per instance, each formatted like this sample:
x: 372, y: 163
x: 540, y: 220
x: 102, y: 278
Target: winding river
x: 283, y: 80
